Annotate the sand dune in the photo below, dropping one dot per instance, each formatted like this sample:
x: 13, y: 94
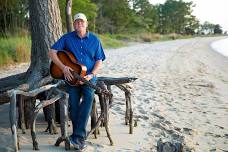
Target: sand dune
x: 180, y: 95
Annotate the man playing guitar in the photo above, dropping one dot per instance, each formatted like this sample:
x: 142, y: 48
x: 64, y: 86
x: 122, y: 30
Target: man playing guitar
x: 88, y: 51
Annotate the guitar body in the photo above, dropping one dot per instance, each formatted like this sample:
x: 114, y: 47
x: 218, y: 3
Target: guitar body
x: 68, y: 59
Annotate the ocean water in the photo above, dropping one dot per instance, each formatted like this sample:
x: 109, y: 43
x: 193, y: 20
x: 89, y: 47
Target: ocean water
x: 221, y: 46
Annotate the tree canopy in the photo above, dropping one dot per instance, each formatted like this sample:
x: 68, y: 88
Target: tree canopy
x: 116, y: 16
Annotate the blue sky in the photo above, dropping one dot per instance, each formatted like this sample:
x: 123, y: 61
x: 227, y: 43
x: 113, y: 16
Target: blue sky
x: 213, y: 11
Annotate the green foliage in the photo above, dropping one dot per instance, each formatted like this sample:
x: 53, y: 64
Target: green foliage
x: 109, y: 41
x: 13, y: 15
x: 115, y: 17
x: 147, y: 14
x: 4, y: 58
x: 209, y: 28
x: 175, y: 17
x: 83, y: 6
x: 217, y: 29
x: 14, y: 49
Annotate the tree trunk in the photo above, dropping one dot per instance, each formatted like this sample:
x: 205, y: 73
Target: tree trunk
x: 46, y: 28
x: 68, y: 16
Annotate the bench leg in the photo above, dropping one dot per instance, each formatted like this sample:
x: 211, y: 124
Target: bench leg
x: 111, y: 97
x: 21, y: 119
x: 98, y: 123
x: 94, y: 118
x: 128, y: 100
x: 127, y: 112
x: 13, y: 121
x: 49, y: 112
x: 41, y: 105
x: 106, y: 118
x: 63, y: 103
x: 102, y: 118
x: 33, y: 125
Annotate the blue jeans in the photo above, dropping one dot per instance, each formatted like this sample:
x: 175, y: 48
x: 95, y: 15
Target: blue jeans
x: 80, y: 101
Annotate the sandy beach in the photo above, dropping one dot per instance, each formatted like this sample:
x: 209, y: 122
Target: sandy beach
x: 180, y: 95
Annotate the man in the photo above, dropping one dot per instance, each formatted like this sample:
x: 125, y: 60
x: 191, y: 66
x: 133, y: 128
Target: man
x: 88, y: 50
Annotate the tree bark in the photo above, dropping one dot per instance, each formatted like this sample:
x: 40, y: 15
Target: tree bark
x: 68, y: 16
x: 46, y: 28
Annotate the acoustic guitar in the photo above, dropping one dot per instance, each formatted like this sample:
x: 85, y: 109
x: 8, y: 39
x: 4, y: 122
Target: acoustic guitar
x: 79, y: 71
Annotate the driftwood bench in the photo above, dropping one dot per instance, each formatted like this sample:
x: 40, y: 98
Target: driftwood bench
x: 56, y: 94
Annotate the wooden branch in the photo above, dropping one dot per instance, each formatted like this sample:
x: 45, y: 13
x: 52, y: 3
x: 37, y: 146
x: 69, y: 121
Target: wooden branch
x: 5, y: 96
x: 115, y: 81
x: 127, y: 87
x: 45, y: 103
x: 11, y: 82
x: 35, y: 92
x: 42, y: 82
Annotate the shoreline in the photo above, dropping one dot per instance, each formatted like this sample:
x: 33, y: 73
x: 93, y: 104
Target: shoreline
x: 180, y: 95
x: 221, y: 46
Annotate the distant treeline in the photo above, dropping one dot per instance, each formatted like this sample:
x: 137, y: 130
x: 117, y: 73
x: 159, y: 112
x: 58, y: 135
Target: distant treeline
x: 116, y: 16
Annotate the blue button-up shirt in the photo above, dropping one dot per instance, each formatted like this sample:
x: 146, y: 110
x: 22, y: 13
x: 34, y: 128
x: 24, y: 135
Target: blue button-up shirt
x: 87, y: 50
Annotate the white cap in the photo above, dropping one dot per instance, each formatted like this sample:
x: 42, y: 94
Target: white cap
x: 80, y: 16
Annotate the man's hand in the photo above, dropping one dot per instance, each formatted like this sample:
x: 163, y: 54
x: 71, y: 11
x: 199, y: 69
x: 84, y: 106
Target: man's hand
x: 87, y: 77
x: 67, y: 74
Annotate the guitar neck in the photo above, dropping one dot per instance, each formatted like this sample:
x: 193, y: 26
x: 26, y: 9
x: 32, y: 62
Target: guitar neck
x: 77, y: 76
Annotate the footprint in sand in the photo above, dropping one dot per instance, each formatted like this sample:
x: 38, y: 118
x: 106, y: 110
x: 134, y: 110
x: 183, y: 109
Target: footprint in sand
x: 219, y: 126
x: 212, y: 134
x: 142, y: 111
x: 143, y: 117
x: 159, y: 116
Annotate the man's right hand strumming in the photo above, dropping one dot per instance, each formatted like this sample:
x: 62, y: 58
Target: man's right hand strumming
x: 67, y: 73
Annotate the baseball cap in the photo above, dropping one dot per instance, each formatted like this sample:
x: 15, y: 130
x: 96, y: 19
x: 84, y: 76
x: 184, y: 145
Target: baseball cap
x: 80, y: 16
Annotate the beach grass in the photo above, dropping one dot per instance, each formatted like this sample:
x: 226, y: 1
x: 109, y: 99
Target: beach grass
x: 110, y: 41
x: 14, y: 50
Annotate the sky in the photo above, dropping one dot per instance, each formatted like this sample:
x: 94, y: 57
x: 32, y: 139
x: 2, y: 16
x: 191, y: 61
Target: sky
x: 213, y: 11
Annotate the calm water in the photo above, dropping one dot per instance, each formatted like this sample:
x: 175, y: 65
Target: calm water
x: 221, y: 46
